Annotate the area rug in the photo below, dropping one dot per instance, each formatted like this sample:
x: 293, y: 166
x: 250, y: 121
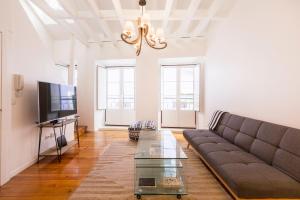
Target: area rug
x: 113, y: 175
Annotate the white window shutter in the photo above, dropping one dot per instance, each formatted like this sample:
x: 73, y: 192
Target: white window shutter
x: 197, y: 88
x: 101, y: 88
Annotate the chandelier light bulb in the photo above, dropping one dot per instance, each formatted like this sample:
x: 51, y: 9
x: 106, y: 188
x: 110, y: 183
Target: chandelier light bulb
x: 160, y: 33
x: 129, y: 28
x: 162, y: 39
x: 152, y: 31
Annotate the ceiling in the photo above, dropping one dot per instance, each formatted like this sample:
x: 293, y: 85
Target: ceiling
x: 103, y: 20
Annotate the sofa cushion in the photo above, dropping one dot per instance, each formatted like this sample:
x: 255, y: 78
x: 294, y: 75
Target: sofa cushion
x: 232, y: 127
x: 235, y: 122
x: 206, y: 148
x: 291, y: 141
x: 288, y: 163
x: 244, y: 141
x: 196, y: 138
x: 258, y: 180
x: 248, y: 131
x: 189, y: 134
x: 221, y: 125
x: 218, y: 158
x: 250, y: 127
x: 267, y: 141
x: 287, y: 158
x: 263, y: 150
x: 271, y: 133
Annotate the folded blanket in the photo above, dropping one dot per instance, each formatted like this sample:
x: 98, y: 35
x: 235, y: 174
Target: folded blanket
x: 215, y: 119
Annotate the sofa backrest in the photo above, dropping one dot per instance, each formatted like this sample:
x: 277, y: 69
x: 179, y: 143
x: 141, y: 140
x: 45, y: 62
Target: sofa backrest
x: 277, y: 145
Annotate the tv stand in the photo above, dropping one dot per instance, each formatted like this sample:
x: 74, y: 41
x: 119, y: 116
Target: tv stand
x: 54, y: 121
x: 57, y: 149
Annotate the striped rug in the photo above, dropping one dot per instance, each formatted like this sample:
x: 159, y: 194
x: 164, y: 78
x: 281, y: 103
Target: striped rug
x: 112, y: 178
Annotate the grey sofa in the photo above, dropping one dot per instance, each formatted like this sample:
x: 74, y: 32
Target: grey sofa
x: 253, y: 159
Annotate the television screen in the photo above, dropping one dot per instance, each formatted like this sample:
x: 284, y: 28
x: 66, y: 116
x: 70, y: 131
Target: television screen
x: 56, y: 101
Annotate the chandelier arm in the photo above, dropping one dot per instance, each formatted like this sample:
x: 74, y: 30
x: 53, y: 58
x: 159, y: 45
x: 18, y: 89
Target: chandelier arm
x: 139, y: 47
x: 163, y: 43
x: 150, y: 42
x: 153, y: 41
x: 124, y: 37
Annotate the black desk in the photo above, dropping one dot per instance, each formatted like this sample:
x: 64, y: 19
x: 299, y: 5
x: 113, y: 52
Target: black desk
x: 61, y: 125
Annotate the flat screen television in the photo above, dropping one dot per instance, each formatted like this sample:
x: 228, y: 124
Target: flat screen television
x: 56, y: 101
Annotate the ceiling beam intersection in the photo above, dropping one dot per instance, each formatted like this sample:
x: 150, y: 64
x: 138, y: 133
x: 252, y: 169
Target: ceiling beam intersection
x: 203, y: 25
x: 167, y: 12
x: 103, y: 25
x: 186, y: 22
x: 41, y: 5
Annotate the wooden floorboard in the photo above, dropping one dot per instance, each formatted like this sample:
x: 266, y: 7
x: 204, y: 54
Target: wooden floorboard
x: 52, y: 180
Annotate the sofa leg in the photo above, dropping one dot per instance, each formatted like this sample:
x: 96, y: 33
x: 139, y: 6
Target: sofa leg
x: 188, y: 146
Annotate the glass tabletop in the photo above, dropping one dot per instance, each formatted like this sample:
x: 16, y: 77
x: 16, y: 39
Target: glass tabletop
x: 158, y: 145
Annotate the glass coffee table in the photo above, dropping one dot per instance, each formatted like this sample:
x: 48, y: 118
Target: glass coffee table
x: 158, y: 167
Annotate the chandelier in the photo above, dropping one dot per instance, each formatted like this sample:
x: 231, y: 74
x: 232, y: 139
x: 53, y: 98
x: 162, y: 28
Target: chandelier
x: 154, y: 39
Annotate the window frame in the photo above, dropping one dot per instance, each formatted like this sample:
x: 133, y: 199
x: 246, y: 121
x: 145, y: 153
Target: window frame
x: 121, y: 88
x: 178, y: 100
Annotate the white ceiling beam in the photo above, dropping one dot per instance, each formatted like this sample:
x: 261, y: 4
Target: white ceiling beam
x: 65, y: 25
x: 119, y: 12
x: 213, y: 9
x: 92, y: 34
x: 167, y: 13
x: 133, y: 14
x: 82, y: 24
x: 70, y: 12
x: 193, y: 7
x: 103, y: 25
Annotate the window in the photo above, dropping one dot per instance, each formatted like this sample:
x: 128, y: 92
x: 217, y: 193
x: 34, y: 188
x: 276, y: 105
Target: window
x: 116, y: 94
x: 120, y: 89
x: 113, y: 88
x: 169, y: 91
x: 180, y: 87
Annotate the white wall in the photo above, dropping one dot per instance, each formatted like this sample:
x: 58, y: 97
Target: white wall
x: 253, y: 63
x: 87, y: 86
x: 28, y: 51
x: 148, y: 71
x: 61, y: 52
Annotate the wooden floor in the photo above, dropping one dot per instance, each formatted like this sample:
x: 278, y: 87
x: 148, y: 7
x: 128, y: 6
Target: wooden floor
x: 52, y: 180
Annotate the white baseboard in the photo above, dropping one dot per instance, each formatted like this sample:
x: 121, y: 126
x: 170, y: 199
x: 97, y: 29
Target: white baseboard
x: 19, y: 169
x: 114, y: 128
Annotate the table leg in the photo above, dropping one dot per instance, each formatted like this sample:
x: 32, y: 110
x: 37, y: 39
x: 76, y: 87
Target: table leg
x: 57, y: 148
x: 40, y: 138
x: 77, y: 131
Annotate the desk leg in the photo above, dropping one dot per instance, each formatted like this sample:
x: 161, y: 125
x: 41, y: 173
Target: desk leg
x: 57, y: 148
x: 61, y: 132
x: 40, y: 138
x: 77, y: 131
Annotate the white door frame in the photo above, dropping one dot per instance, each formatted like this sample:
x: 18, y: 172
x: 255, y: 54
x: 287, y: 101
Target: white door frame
x: 121, y: 113
x: 178, y: 112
